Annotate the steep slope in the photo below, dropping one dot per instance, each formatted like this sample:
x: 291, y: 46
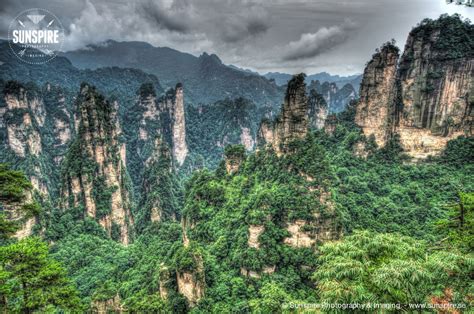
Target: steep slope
x: 211, y: 127
x: 259, y: 215
x: 436, y: 78
x: 317, y: 110
x: 377, y: 91
x: 292, y: 123
x: 35, y: 130
x: 94, y: 175
x: 427, y: 99
x: 206, y: 78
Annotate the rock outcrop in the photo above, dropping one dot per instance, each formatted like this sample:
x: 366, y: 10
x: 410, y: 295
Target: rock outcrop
x: 180, y: 148
x: 234, y: 156
x: 292, y: 123
x: 427, y: 99
x: 377, y: 90
x: 25, y: 220
x: 317, y: 110
x: 191, y: 282
x: 112, y: 305
x: 94, y: 175
x: 190, y: 285
x: 436, y: 86
x: 22, y: 120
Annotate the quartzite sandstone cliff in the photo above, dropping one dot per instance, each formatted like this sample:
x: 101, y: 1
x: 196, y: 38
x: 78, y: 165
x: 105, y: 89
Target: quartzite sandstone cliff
x: 427, y: 98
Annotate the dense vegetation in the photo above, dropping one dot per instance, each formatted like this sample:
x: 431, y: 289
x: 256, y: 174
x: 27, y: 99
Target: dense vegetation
x: 417, y: 216
x: 383, y: 229
x: 30, y: 279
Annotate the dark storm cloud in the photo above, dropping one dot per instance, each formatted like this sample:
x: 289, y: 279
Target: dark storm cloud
x: 174, y: 18
x: 310, y: 45
x: 337, y: 36
x: 237, y: 28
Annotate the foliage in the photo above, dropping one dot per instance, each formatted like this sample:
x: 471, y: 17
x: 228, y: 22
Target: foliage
x: 14, y: 187
x: 455, y: 36
x: 33, y: 281
x: 389, y: 268
x: 458, y: 227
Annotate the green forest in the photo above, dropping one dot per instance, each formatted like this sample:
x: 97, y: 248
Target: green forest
x: 410, y: 235
x: 118, y: 195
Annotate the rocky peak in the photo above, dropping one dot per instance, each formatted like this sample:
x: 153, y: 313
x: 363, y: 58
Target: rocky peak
x: 22, y: 120
x: 22, y: 116
x: 317, y: 110
x: 180, y: 148
x: 436, y: 84
x: 426, y: 100
x: 293, y: 122
x: 94, y: 172
x: 377, y: 90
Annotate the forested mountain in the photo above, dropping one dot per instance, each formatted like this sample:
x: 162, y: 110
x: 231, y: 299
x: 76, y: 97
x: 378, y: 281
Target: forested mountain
x: 118, y: 195
x: 207, y: 79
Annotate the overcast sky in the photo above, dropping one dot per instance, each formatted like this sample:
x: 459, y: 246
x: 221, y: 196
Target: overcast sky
x: 337, y: 36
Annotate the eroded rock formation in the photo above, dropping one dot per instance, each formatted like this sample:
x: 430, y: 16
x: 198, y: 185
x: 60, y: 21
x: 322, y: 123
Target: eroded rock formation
x: 95, y: 176
x: 428, y: 98
x: 292, y: 123
x: 180, y: 148
x: 317, y: 110
x: 377, y: 90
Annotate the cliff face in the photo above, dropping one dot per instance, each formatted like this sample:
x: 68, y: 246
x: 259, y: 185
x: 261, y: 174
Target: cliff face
x: 94, y: 172
x: 317, y: 110
x: 293, y: 122
x: 24, y: 121
x: 436, y: 88
x: 172, y: 122
x: 180, y: 149
x: 160, y: 189
x: 377, y: 90
x: 428, y: 99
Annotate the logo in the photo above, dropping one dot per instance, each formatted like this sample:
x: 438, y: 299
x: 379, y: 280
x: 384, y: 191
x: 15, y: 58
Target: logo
x: 35, y: 36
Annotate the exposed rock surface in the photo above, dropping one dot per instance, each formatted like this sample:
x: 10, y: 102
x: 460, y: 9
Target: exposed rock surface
x: 377, y: 90
x: 113, y: 305
x: 165, y: 279
x: 22, y: 132
x: 254, y: 233
x: 95, y: 173
x: 191, y: 283
x: 436, y: 92
x: 292, y: 123
x: 317, y: 110
x: 15, y: 213
x: 180, y: 148
x: 428, y: 99
x: 246, y: 138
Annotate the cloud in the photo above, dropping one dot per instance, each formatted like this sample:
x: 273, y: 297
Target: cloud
x: 175, y: 17
x: 242, y: 23
x: 313, y: 44
x: 262, y: 35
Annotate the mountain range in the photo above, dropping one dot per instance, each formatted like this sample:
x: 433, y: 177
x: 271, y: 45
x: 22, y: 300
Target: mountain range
x: 142, y: 179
